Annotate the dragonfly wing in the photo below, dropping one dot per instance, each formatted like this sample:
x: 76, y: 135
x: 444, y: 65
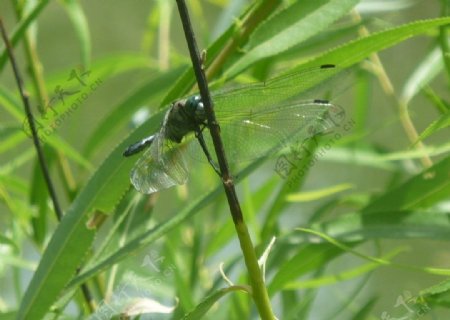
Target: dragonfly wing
x: 259, y: 118
x: 308, y: 83
x: 258, y: 132
x: 163, y: 165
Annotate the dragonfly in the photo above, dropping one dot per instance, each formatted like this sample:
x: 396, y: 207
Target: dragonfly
x: 255, y: 120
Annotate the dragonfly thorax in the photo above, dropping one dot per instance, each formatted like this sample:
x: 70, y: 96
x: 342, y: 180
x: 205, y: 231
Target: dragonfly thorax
x: 183, y: 117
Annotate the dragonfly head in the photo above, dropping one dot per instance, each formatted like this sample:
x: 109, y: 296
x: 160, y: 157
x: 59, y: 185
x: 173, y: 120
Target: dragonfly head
x: 194, y: 107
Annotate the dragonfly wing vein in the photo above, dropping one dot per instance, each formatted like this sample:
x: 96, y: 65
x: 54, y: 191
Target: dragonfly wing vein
x: 161, y: 166
x: 257, y: 132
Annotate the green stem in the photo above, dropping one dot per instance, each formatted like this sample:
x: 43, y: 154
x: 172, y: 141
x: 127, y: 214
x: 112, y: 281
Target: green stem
x: 260, y: 295
x: 388, y: 88
x: 34, y: 65
x: 443, y: 36
x: 244, y: 29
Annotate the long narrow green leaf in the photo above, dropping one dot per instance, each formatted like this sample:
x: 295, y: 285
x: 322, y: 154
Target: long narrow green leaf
x: 295, y: 24
x: 80, y: 23
x: 72, y: 238
x: 424, y: 73
x: 152, y: 235
x: 187, y: 80
x: 393, y: 224
x: 399, y: 212
x: 318, y: 194
x: 351, y: 273
x: 59, y: 262
x: 359, y: 49
x: 309, y: 258
x: 202, y: 308
x: 382, y: 218
x: 442, y: 123
x: 438, y: 295
x: 385, y: 161
x: 10, y: 139
x: 103, y: 68
x: 293, y: 182
x: 21, y: 28
x: 255, y: 13
x: 11, y: 104
x: 349, y: 249
x: 421, y: 191
x: 364, y: 310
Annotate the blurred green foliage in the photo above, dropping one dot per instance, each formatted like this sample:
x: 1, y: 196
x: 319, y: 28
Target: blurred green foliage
x: 376, y: 199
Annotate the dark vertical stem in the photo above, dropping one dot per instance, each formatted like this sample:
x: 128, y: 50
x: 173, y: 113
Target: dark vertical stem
x: 259, y: 291
x: 29, y: 115
x: 42, y: 162
x: 212, y: 122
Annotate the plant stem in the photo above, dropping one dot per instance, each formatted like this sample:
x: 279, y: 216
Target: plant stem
x: 249, y: 23
x: 260, y: 295
x: 444, y: 36
x: 41, y: 157
x: 26, y: 104
x: 34, y: 65
x: 36, y: 72
x: 388, y: 88
x: 259, y: 290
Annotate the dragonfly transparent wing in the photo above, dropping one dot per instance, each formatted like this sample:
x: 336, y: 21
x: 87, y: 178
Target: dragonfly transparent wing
x: 162, y: 165
x: 257, y: 132
x: 305, y: 84
x: 259, y: 118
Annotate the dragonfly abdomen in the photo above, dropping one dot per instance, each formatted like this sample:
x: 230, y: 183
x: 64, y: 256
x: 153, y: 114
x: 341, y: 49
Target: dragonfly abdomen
x: 138, y: 146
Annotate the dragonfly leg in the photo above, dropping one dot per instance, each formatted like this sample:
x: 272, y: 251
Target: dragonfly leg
x: 201, y: 140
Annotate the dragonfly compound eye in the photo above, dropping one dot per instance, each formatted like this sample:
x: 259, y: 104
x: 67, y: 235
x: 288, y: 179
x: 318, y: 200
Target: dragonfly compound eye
x: 194, y: 106
x: 192, y: 103
x: 200, y: 111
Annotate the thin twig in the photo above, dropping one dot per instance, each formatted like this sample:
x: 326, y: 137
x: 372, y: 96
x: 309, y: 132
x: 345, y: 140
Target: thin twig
x: 36, y: 72
x: 207, y: 103
x: 260, y: 295
x: 245, y: 28
x: 405, y: 119
x: 444, y: 32
x: 24, y: 95
x: 34, y: 67
x: 42, y: 161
